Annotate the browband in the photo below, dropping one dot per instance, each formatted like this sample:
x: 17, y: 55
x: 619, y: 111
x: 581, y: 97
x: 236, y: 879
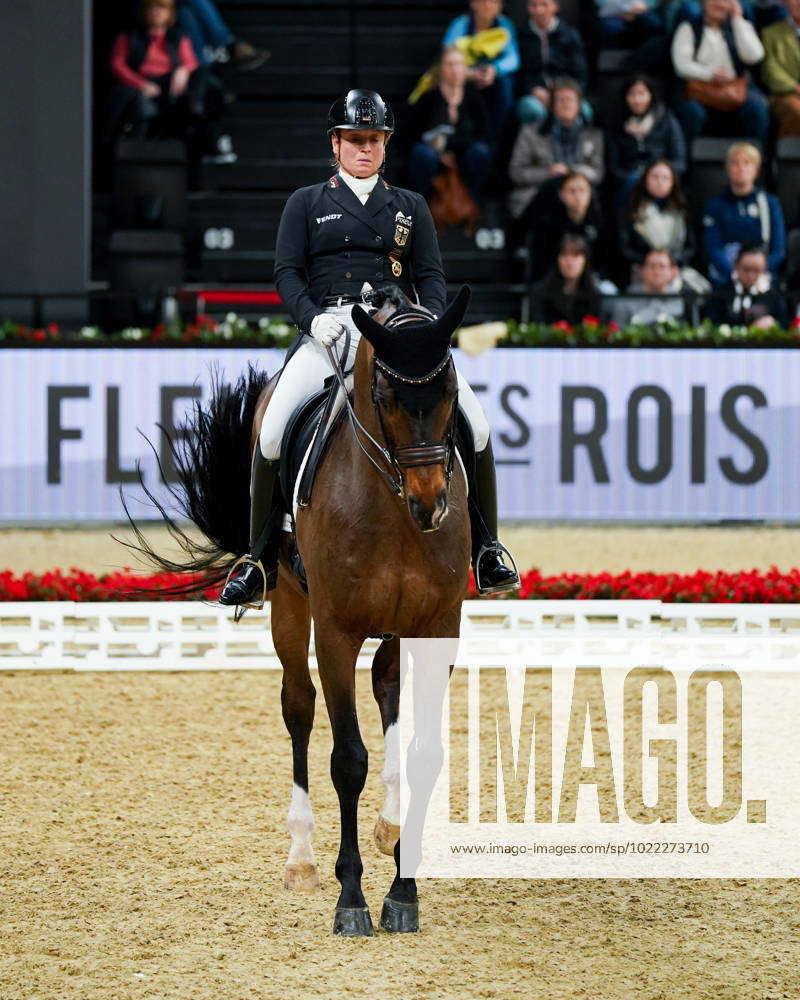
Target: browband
x: 412, y: 379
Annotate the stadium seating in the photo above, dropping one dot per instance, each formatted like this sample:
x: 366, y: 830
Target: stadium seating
x: 277, y: 125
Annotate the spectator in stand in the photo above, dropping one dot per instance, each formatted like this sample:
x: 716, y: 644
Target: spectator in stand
x: 676, y: 11
x: 210, y: 35
x: 780, y: 71
x: 566, y: 208
x: 568, y: 293
x: 742, y: 214
x: 628, y: 23
x: 760, y: 12
x: 655, y: 295
x: 749, y: 298
x: 559, y: 145
x: 549, y: 48
x: 712, y: 56
x: 450, y: 127
x: 657, y: 217
x: 160, y: 86
x: 489, y: 41
x: 647, y: 131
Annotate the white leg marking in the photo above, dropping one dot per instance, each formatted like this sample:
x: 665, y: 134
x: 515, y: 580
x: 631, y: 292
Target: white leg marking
x: 300, y: 822
x: 391, y: 775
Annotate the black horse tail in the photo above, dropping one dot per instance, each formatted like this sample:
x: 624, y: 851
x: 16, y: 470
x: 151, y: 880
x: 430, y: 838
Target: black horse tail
x: 211, y: 455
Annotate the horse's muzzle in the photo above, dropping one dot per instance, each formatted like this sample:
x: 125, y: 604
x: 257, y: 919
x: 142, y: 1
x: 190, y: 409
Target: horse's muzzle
x: 428, y: 516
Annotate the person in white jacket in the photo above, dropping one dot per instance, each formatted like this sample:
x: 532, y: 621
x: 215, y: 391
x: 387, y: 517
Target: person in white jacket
x: 720, y: 49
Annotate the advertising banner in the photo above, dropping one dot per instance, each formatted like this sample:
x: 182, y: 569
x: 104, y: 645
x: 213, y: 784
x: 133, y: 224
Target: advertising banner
x: 648, y: 434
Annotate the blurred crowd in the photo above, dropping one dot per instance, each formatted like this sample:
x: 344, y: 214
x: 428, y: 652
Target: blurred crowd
x: 164, y: 75
x: 595, y: 196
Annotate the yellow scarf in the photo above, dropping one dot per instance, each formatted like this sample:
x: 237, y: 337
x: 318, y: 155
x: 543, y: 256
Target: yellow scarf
x: 484, y: 46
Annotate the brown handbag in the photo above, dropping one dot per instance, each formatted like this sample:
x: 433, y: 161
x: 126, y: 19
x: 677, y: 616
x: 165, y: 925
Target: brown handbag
x: 719, y: 95
x: 451, y: 203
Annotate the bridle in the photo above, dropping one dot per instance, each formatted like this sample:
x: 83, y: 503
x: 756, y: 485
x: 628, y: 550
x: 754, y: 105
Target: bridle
x: 392, y: 461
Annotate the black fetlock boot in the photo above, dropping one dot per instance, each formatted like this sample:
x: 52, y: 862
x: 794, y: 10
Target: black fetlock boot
x: 258, y: 572
x: 492, y: 576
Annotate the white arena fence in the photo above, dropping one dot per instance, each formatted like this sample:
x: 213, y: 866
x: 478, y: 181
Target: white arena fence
x: 176, y: 635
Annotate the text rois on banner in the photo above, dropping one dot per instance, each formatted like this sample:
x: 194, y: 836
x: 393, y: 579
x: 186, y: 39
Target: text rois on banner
x: 578, y: 433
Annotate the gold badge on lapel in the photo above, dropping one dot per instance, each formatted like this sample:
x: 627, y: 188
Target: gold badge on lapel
x: 397, y: 267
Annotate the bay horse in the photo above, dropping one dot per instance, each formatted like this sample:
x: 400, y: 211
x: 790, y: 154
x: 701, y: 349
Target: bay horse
x: 385, y: 542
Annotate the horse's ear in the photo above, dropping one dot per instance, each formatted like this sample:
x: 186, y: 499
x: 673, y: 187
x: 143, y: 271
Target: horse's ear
x: 367, y: 326
x: 453, y: 316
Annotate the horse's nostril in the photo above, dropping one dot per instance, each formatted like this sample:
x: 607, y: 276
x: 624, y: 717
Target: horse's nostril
x: 440, y: 511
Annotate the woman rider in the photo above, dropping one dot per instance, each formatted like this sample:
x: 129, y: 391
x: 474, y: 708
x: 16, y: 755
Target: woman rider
x: 334, y: 238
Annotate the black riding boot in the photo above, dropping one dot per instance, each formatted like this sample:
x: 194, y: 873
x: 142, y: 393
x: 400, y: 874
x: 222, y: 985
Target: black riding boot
x: 257, y: 575
x: 492, y: 576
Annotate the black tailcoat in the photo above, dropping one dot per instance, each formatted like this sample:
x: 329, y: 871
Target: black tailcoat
x: 330, y: 244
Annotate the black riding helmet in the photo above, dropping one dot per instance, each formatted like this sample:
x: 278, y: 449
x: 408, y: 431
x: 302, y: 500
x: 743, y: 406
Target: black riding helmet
x: 361, y: 109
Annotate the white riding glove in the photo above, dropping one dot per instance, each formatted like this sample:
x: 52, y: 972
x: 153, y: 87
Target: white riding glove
x: 326, y: 329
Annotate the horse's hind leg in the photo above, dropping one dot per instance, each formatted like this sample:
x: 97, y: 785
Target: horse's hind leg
x: 386, y: 688
x: 291, y: 625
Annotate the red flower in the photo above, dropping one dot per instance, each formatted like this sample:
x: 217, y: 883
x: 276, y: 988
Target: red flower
x: 613, y: 327
x: 190, y: 332
x: 158, y: 331
x: 795, y: 324
x: 39, y: 335
x: 53, y: 329
x: 591, y: 321
x: 754, y: 586
x: 563, y: 326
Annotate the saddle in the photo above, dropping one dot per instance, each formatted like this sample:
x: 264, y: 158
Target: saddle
x: 304, y: 444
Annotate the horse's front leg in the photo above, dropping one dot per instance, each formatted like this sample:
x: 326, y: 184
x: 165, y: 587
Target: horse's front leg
x: 336, y: 659
x: 386, y: 688
x: 400, y: 913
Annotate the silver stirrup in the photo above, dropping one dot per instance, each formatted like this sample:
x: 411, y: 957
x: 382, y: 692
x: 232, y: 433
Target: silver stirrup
x: 503, y: 587
x: 248, y: 561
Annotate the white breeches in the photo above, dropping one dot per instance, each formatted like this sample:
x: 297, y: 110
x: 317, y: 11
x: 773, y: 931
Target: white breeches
x: 308, y: 368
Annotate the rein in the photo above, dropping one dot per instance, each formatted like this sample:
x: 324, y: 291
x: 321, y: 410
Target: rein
x: 396, y: 485
x: 405, y: 456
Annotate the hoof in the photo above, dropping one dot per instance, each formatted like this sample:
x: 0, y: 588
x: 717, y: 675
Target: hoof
x: 301, y: 878
x: 399, y: 918
x: 352, y: 921
x: 386, y: 836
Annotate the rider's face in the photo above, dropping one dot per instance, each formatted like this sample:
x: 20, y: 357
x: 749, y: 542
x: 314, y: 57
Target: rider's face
x: 359, y: 152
